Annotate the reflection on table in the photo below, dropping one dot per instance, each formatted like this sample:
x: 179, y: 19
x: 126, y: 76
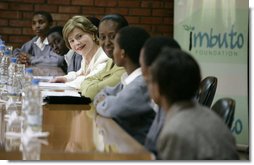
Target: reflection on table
x: 80, y: 134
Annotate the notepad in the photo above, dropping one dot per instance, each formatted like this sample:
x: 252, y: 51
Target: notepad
x: 72, y: 93
x: 66, y: 100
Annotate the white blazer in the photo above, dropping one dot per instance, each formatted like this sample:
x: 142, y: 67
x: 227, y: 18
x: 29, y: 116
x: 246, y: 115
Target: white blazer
x: 98, y: 62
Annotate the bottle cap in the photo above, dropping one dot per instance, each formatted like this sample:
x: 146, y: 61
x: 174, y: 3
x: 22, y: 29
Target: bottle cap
x: 35, y: 81
x: 7, y: 52
x: 29, y: 70
x: 14, y: 60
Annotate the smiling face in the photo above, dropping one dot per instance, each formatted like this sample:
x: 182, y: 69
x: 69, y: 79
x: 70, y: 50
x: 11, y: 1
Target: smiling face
x: 80, y: 41
x: 40, y: 25
x: 107, y: 32
x: 57, y: 43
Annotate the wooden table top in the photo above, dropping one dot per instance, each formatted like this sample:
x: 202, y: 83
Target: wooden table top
x: 47, y: 71
x: 78, y: 133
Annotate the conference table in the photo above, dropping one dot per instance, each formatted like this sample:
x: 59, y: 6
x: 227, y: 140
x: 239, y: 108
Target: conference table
x: 76, y: 132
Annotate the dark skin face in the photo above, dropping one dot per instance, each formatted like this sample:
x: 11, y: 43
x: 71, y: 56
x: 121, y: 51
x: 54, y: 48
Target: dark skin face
x: 57, y: 43
x: 118, y: 53
x: 121, y: 58
x: 107, y: 32
x: 40, y: 26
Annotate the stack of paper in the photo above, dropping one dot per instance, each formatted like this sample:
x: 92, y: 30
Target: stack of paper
x: 55, y: 86
x: 72, y: 93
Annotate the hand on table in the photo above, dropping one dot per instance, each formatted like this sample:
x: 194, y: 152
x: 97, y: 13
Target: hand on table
x: 59, y: 79
x: 99, y: 99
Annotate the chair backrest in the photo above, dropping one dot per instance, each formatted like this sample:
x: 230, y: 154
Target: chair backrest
x: 225, y: 108
x: 206, y: 91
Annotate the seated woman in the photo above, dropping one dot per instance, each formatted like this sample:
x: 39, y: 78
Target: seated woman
x: 191, y: 131
x: 128, y: 102
x: 73, y: 59
x: 111, y: 74
x: 80, y: 35
x: 38, y: 51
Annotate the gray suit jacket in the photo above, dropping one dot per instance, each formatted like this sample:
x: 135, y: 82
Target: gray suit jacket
x: 194, y: 132
x: 40, y: 57
x: 154, y: 131
x: 129, y: 107
x: 75, y: 63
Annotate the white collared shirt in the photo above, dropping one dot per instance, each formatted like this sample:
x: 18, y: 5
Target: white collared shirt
x: 127, y: 79
x: 41, y: 44
x: 154, y: 106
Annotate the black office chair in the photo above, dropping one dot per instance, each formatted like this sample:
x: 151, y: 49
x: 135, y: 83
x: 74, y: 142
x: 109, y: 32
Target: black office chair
x: 206, y: 91
x: 225, y: 108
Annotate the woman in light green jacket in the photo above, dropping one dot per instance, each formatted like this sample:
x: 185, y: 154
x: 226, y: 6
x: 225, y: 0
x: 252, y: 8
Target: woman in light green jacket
x: 111, y: 74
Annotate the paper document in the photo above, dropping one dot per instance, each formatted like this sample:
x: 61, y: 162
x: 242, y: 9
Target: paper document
x: 43, y: 78
x: 47, y: 85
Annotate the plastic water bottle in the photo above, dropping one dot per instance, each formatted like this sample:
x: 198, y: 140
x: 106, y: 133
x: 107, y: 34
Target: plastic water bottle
x: 12, y: 83
x: 32, y: 107
x: 13, y: 123
x: 2, y: 49
x: 27, y: 83
x: 5, y: 62
x: 28, y: 77
x: 20, y: 73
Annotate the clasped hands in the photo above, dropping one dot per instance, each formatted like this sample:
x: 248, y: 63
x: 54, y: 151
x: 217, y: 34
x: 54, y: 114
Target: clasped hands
x: 24, y: 58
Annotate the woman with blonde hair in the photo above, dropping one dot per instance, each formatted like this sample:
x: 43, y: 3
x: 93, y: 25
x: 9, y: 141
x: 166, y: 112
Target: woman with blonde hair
x: 80, y: 35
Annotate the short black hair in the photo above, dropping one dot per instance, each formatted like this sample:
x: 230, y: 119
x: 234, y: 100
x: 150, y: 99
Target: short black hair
x: 95, y: 21
x: 58, y: 29
x: 132, y: 39
x: 46, y: 14
x: 118, y: 18
x: 177, y: 73
x: 154, y: 45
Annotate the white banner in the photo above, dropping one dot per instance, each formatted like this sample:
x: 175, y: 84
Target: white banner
x: 215, y: 32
